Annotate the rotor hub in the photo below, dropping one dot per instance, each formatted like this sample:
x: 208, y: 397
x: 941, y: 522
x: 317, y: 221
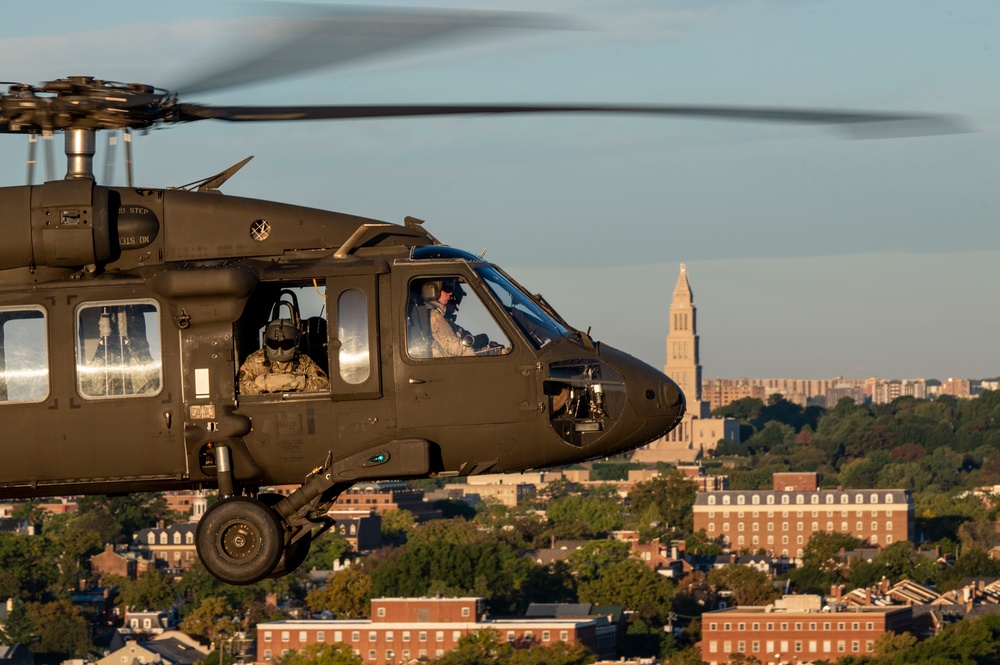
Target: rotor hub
x: 82, y: 102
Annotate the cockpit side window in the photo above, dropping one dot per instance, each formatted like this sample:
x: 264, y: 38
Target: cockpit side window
x: 445, y: 318
x: 24, y: 360
x: 118, y: 350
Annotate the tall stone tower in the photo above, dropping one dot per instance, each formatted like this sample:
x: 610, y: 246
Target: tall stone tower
x: 697, y: 433
x: 683, y: 364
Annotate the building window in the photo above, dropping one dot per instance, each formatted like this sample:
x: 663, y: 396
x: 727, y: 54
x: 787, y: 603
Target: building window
x: 844, y: 498
x: 338, y: 636
x: 815, y: 498
x: 874, y: 498
x: 784, y: 499
x: 829, y: 498
x: 858, y: 498
x: 740, y: 499
x: 285, y: 636
x: 267, y: 654
x: 564, y: 635
x: 770, y: 499
x: 546, y: 636
x: 371, y: 654
x: 303, y: 636
x: 356, y: 636
x: 381, y: 612
x: 372, y: 636
x: 800, y: 499
x: 466, y: 612
x: 855, y: 646
x: 711, y: 500
x: 406, y: 636
x: 388, y: 655
x: 725, y: 499
x: 422, y: 636
x: 755, y: 499
x: 389, y: 636
x: 439, y: 636
x: 888, y: 498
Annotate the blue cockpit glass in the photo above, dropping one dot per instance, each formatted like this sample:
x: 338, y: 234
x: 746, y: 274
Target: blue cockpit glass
x: 537, y: 326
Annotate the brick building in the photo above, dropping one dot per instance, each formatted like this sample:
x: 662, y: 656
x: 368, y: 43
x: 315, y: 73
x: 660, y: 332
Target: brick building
x: 404, y: 629
x: 797, y: 629
x: 380, y: 497
x: 781, y: 522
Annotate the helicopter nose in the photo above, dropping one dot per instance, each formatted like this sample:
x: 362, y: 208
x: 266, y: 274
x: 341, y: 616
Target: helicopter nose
x: 657, y: 404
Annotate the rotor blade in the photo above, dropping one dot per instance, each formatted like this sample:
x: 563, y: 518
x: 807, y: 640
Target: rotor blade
x: 312, y: 36
x: 854, y: 124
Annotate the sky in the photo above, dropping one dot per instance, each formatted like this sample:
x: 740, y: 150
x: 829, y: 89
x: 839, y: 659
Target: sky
x: 809, y: 256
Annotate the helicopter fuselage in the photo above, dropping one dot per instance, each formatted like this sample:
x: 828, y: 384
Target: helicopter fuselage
x: 125, y: 315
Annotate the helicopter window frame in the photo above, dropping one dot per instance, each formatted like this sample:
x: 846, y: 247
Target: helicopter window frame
x: 33, y: 352
x: 151, y: 370
x: 486, y: 302
x: 345, y: 325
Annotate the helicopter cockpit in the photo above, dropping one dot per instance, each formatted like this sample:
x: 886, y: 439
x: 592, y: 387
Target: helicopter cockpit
x: 583, y: 395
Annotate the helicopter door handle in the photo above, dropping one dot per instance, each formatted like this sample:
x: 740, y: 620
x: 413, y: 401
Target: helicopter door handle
x: 414, y: 382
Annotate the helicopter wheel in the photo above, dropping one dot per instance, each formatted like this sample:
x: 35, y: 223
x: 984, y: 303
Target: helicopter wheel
x: 240, y: 540
x: 294, y: 553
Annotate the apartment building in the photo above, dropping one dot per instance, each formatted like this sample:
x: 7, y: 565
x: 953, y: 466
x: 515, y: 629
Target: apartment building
x: 781, y: 521
x: 798, y: 629
x: 404, y: 629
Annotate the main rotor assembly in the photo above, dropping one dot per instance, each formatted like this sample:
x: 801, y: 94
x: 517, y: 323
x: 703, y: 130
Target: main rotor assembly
x: 80, y: 106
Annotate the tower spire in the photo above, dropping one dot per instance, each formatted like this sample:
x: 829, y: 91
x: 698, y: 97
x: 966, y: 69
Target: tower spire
x: 683, y: 364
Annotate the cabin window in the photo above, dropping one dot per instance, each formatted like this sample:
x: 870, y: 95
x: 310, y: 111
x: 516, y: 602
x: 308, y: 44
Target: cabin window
x: 118, y: 349
x: 446, y: 319
x: 24, y: 361
x: 355, y: 347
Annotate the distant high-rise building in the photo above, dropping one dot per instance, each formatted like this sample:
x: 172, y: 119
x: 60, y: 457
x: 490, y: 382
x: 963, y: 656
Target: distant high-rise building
x: 698, y: 432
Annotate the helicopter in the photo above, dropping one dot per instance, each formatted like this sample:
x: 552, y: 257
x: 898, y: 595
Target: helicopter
x: 128, y: 315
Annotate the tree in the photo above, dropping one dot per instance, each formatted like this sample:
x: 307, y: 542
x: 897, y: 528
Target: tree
x: 586, y: 514
x: 632, y: 585
x: 60, y: 628
x: 18, y: 628
x: 750, y: 586
x: 131, y: 511
x: 346, y: 594
x: 151, y: 591
x: 322, y: 654
x: 326, y: 551
x: 396, y: 524
x: 673, y: 493
x: 211, y: 619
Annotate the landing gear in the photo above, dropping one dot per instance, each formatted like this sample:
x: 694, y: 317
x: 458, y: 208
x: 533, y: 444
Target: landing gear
x: 297, y: 545
x: 240, y: 540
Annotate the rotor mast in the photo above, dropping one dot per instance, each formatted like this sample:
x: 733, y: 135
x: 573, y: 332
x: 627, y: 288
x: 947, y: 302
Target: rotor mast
x: 81, y: 145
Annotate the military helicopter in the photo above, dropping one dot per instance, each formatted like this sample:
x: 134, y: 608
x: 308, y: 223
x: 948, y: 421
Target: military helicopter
x: 128, y: 316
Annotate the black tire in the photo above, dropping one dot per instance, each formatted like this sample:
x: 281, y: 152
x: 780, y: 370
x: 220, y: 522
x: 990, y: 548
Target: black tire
x: 293, y: 554
x: 240, y: 540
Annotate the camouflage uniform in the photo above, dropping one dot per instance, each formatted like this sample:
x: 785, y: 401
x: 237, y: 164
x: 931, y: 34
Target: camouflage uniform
x: 447, y: 342
x: 299, y: 375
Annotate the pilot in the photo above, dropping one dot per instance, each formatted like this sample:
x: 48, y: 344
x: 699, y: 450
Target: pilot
x: 448, y: 340
x: 279, y: 367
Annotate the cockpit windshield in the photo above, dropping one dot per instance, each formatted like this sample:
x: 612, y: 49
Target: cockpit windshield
x: 536, y: 325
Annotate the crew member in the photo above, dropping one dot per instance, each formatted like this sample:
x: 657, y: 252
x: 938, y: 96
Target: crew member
x: 279, y: 367
x: 447, y: 341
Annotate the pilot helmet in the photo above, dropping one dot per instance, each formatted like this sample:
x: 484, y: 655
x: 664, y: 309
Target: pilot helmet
x: 432, y: 288
x: 281, y: 340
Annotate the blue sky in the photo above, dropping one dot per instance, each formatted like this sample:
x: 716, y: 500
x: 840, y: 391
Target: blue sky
x: 810, y: 256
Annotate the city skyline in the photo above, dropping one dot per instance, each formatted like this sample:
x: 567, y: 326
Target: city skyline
x: 810, y: 257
